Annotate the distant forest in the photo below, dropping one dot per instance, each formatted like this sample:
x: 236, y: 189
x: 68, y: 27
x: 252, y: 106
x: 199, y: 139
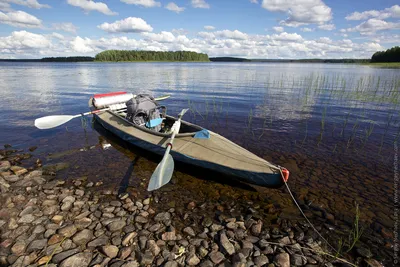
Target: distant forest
x: 67, y: 59
x: 52, y: 59
x: 134, y: 55
x: 236, y: 59
x: 390, y: 55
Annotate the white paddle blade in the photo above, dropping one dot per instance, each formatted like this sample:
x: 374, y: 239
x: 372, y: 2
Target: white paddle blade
x: 163, y: 173
x: 52, y: 121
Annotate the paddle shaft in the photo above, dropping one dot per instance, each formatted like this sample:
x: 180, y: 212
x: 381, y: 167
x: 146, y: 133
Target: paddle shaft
x: 161, y: 175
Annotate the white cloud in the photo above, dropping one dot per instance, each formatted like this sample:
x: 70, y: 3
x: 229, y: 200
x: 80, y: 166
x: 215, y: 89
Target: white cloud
x: 200, y: 4
x: 300, y: 12
x: 327, y: 27
x: 58, y: 36
x: 220, y: 43
x: 209, y: 28
x: 22, y: 40
x: 254, y: 1
x: 89, y: 5
x: 20, y: 19
x: 65, y: 26
x: 29, y: 3
x: 371, y: 26
x: 391, y: 12
x: 238, y: 35
x: 180, y: 31
x: 162, y: 37
x: 174, y: 7
x: 130, y: 24
x: 278, y: 29
x: 287, y: 37
x: 305, y: 29
x: 83, y: 45
x: 145, y: 3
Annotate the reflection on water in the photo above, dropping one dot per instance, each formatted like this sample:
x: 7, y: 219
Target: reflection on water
x: 333, y: 125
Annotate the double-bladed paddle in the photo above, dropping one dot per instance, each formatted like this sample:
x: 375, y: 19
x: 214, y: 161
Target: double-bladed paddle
x: 163, y: 173
x: 57, y: 120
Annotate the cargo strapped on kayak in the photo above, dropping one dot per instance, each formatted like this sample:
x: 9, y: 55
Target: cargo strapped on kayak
x: 143, y: 110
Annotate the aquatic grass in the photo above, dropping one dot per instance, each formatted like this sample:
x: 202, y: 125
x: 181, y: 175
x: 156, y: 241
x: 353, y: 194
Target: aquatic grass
x: 356, y: 232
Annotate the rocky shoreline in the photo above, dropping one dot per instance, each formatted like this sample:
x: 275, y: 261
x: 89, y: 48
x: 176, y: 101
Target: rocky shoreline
x: 49, y: 222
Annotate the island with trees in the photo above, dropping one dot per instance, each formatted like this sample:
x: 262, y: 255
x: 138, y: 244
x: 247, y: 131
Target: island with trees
x: 136, y: 55
x: 390, y: 55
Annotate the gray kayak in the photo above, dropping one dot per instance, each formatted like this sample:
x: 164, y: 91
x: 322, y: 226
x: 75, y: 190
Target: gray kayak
x: 200, y: 147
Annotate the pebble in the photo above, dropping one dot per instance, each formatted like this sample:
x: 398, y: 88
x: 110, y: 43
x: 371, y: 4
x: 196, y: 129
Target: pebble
x: 110, y: 251
x: 83, y: 237
x: 216, y: 257
x: 226, y: 244
x: 282, y: 259
x: 78, y: 260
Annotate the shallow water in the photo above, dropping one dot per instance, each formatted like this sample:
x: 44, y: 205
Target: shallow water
x: 333, y: 125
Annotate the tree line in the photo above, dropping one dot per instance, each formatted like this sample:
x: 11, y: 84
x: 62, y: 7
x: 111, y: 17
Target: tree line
x: 135, y: 55
x: 390, y: 55
x: 66, y: 59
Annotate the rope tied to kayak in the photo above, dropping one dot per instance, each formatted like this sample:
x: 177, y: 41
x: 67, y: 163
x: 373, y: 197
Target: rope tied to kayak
x: 281, y: 170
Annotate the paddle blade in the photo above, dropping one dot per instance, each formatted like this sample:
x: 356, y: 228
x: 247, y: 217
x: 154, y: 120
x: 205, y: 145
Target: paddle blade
x: 163, y: 173
x: 52, y: 121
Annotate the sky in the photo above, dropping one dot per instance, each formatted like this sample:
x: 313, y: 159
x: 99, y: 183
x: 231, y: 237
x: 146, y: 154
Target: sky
x: 274, y: 29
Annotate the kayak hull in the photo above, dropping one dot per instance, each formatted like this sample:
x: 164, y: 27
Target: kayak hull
x: 185, y: 152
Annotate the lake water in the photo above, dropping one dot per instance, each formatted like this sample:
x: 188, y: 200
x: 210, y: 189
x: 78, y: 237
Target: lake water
x: 334, y: 126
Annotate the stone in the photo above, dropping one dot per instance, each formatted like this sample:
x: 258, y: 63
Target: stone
x: 131, y: 264
x: 78, y: 260
x: 116, y: 225
x: 44, y: 260
x: 128, y: 238
x: 68, y: 230
x: 372, y: 263
x: 12, y: 178
x: 207, y: 263
x: 100, y: 241
x: 168, y: 236
x: 146, y: 201
x: 147, y: 258
x: 82, y: 223
x: 282, y: 260
x: 36, y: 245
x: 141, y: 219
x: 153, y: 247
x: 18, y: 248
x: 256, y: 228
x: 83, y: 237
x: 189, y: 231
x: 12, y: 224
x: 261, y: 260
x: 162, y: 217
x: 55, y: 239
x: 216, y: 257
x: 110, y: 251
x: 57, y: 258
x: 124, y: 253
x: 155, y: 227
x: 298, y: 260
x: 66, y: 206
x: 17, y: 170
x: 192, y: 259
x: 226, y: 244
x: 4, y: 165
x: 28, y: 218
x: 171, y: 264
x: 57, y: 219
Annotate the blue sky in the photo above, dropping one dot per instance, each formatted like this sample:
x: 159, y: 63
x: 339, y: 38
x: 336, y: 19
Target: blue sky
x: 246, y: 28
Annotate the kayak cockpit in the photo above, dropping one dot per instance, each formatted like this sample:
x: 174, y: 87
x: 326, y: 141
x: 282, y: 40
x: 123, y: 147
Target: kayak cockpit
x: 186, y: 129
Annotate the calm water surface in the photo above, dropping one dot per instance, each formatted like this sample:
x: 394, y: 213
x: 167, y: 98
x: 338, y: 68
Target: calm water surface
x: 334, y: 126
